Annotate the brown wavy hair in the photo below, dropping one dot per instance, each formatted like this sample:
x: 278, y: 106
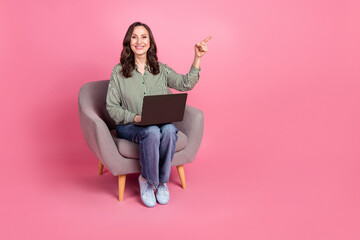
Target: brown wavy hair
x: 127, y: 57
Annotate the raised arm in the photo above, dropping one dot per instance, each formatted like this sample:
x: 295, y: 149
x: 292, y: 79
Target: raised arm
x: 182, y: 82
x: 187, y: 82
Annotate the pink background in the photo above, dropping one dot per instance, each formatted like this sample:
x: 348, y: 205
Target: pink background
x: 279, y: 89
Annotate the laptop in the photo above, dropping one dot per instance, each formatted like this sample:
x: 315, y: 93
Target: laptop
x: 160, y: 109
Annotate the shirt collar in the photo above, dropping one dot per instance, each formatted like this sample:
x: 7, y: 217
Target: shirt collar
x: 146, y: 66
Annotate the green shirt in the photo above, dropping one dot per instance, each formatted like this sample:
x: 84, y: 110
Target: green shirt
x: 125, y: 95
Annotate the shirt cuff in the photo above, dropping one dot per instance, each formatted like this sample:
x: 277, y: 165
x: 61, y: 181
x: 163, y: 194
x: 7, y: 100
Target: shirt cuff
x: 130, y: 117
x: 194, y: 69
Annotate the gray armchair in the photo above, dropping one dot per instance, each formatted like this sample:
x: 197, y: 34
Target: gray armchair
x: 121, y: 156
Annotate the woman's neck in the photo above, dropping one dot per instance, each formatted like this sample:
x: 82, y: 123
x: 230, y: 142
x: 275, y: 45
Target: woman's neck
x: 141, y: 61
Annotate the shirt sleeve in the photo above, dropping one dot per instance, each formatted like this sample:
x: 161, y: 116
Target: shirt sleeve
x: 182, y: 82
x: 113, y: 102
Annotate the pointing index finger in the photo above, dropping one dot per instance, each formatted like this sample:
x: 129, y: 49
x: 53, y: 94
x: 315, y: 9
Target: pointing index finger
x: 207, y: 39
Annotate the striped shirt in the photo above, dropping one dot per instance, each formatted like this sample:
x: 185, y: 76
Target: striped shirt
x: 125, y: 95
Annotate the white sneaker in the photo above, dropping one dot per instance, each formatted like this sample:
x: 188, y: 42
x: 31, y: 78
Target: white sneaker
x: 162, y: 193
x: 147, y: 193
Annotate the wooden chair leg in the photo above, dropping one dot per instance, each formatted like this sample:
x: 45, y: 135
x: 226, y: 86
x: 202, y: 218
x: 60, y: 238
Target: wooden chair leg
x: 101, y: 166
x: 121, y: 180
x: 181, y: 173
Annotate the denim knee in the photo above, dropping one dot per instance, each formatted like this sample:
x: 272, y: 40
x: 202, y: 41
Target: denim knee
x: 152, y: 133
x: 169, y: 129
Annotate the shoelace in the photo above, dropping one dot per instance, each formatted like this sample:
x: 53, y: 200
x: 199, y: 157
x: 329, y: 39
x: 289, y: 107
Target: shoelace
x: 163, y: 189
x: 149, y: 191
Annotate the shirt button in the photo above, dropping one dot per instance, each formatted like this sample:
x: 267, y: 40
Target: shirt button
x: 144, y: 92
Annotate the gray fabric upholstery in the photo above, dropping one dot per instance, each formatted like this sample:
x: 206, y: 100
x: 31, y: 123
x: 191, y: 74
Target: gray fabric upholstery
x: 96, y: 126
x: 131, y: 150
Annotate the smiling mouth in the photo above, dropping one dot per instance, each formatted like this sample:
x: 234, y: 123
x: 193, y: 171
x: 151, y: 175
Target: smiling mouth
x: 139, y: 47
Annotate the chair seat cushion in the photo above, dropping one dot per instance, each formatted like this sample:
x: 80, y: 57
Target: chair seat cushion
x: 129, y: 149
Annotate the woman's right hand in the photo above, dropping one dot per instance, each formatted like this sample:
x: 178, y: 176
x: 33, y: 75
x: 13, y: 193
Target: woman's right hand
x: 137, y: 118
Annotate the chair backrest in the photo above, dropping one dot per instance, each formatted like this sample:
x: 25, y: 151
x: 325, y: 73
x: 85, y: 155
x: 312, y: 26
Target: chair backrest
x: 92, y: 98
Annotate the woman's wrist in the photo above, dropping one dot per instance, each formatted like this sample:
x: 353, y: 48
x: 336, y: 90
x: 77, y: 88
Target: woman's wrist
x: 196, y: 62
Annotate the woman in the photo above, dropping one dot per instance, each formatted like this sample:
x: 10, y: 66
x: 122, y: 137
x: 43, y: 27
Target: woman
x: 139, y: 73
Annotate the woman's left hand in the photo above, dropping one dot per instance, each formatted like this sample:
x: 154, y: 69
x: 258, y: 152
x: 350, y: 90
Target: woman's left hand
x: 201, y: 48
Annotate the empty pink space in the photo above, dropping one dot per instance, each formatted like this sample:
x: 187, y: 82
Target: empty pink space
x: 279, y: 89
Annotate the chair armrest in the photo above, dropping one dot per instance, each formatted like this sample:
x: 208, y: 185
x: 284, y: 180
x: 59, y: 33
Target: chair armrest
x: 98, y: 138
x: 193, y: 127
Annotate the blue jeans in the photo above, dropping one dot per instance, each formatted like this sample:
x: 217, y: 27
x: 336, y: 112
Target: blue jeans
x: 157, y: 148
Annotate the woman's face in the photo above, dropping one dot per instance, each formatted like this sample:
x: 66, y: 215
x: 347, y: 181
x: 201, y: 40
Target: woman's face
x: 140, y: 42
